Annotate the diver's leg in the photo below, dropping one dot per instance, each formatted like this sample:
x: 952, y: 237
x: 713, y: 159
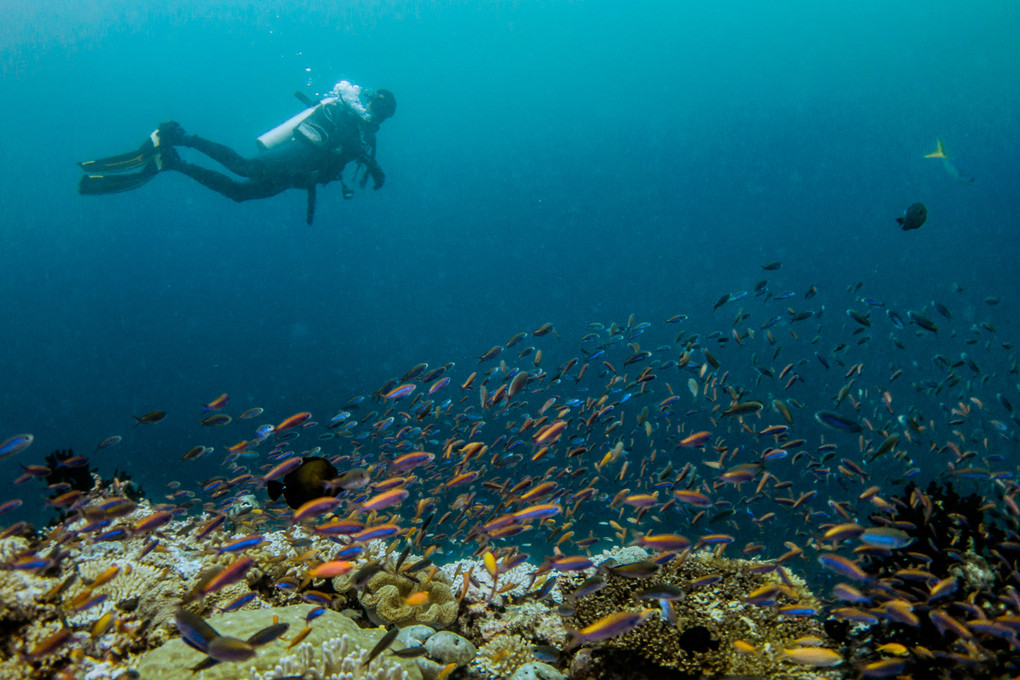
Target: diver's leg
x: 224, y: 155
x: 217, y: 181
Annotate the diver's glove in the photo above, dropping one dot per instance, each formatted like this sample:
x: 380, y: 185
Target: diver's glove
x: 372, y: 168
x: 170, y: 133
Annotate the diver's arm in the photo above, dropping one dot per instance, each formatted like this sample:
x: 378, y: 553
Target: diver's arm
x: 373, y: 169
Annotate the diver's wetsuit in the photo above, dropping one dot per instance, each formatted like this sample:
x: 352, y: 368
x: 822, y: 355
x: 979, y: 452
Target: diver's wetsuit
x: 299, y: 163
x: 334, y: 132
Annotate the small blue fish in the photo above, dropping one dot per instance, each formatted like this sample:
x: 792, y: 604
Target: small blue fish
x: 109, y: 441
x: 837, y: 422
x: 15, y: 444
x: 886, y: 537
x: 239, y: 602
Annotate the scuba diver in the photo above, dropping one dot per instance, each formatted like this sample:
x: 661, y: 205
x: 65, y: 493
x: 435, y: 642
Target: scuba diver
x: 309, y: 149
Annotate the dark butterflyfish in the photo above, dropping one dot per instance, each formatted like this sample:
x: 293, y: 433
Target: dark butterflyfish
x: 306, y: 482
x: 314, y: 478
x: 200, y: 636
x: 914, y: 217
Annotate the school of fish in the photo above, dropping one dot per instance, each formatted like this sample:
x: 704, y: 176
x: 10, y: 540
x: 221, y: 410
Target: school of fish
x: 786, y: 433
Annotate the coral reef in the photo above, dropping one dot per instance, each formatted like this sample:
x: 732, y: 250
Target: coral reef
x: 953, y: 546
x: 118, y: 596
x: 708, y: 621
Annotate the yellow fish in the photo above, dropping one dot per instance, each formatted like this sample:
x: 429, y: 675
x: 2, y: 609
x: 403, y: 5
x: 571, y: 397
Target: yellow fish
x: 816, y: 657
x: 952, y: 170
x: 939, y: 152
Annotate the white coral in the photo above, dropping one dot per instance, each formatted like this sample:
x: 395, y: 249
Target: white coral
x: 11, y: 547
x: 520, y: 576
x: 19, y: 594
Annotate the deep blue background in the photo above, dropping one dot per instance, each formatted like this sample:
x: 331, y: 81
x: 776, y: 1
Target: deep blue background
x: 563, y: 162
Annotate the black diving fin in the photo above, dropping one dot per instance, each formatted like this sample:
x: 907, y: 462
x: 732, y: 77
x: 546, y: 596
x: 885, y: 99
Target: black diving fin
x: 132, y: 160
x: 115, y: 182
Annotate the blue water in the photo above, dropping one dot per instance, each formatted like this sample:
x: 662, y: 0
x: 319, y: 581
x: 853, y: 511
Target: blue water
x: 548, y: 162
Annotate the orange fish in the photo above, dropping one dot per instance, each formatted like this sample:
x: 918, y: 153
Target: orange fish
x: 386, y: 499
x: 698, y: 439
x: 417, y: 599
x: 216, y: 404
x: 331, y: 569
x: 294, y: 421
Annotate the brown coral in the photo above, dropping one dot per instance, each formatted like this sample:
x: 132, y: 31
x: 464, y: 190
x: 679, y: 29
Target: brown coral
x: 384, y: 598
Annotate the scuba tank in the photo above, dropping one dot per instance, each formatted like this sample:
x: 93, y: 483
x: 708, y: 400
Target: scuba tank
x: 285, y: 130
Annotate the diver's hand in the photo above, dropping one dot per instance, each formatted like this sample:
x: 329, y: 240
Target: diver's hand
x: 171, y: 133
x: 373, y: 169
